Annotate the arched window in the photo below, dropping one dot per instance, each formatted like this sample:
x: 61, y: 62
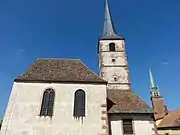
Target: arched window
x: 112, y: 47
x: 47, y: 103
x: 79, y: 103
x: 0, y: 124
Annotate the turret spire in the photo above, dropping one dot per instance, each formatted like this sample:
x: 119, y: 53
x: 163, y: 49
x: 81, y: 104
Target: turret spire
x: 152, y: 83
x: 153, y: 87
x: 109, y: 31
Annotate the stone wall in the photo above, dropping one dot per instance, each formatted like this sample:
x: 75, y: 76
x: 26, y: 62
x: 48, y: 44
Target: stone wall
x: 22, y: 113
x: 114, y: 65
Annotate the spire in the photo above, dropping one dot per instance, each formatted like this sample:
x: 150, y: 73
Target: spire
x: 153, y: 87
x: 109, y: 31
x: 152, y: 83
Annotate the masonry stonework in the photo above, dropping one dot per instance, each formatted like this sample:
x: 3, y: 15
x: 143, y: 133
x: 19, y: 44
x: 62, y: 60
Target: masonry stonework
x: 113, y: 64
x: 22, y: 114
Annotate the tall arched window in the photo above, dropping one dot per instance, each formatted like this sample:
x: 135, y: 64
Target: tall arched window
x: 47, y: 103
x: 112, y: 47
x: 79, y: 103
x: 0, y: 124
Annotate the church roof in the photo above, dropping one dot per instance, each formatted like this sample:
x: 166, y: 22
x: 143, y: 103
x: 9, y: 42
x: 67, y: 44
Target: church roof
x: 172, y: 119
x: 126, y: 101
x: 59, y: 70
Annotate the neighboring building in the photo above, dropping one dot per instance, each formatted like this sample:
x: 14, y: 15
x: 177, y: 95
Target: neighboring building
x: 65, y: 97
x: 168, y: 122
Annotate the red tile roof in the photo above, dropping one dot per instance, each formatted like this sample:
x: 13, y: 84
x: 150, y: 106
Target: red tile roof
x: 172, y: 119
x: 126, y: 101
x: 59, y: 70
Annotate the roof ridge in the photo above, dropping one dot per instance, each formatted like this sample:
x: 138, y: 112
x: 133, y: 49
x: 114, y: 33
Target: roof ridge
x: 119, y: 90
x: 175, y: 110
x: 59, y: 59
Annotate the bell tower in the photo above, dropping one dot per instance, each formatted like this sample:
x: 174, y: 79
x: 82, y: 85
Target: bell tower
x: 112, y: 56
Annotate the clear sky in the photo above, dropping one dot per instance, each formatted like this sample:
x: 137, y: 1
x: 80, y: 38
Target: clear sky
x: 30, y: 29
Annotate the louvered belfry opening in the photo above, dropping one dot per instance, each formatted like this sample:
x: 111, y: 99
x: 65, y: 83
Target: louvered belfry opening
x: 79, y: 103
x: 47, y: 103
x: 112, y: 47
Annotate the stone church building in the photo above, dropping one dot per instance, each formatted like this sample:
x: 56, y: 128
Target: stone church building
x: 65, y: 97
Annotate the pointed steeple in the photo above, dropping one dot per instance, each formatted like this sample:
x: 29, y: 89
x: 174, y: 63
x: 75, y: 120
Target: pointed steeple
x: 109, y: 31
x: 153, y: 87
x: 152, y: 83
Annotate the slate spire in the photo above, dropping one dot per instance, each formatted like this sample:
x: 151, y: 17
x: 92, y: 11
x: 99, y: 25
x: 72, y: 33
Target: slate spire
x: 153, y: 87
x: 109, y: 30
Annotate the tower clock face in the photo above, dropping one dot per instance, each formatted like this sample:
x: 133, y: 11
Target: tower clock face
x: 115, y: 77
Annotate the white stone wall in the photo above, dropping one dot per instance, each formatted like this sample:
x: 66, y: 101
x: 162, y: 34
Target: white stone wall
x: 22, y: 114
x: 120, y: 73
x: 142, y: 125
x: 104, y: 45
x: 114, y: 69
x: 118, y: 56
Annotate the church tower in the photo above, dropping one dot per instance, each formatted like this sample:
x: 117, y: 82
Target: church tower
x: 112, y: 56
x: 160, y: 110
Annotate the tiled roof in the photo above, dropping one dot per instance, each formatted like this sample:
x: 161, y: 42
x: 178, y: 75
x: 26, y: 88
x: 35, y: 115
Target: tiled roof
x: 59, y: 70
x: 126, y: 101
x: 172, y: 119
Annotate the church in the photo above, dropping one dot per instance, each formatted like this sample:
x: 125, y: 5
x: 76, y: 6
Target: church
x: 65, y: 97
x: 167, y: 121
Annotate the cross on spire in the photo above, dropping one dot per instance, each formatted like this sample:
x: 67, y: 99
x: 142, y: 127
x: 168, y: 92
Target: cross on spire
x: 109, y: 31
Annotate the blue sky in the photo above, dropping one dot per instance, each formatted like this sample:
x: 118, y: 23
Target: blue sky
x: 70, y: 29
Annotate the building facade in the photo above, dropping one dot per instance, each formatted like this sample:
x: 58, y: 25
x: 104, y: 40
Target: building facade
x: 168, y: 122
x: 65, y: 97
x: 58, y: 97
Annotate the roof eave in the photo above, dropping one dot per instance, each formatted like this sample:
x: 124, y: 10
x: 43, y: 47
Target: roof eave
x: 133, y: 112
x: 167, y: 127
x: 55, y: 81
x: 145, y: 111
x: 111, y: 38
x: 130, y: 113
